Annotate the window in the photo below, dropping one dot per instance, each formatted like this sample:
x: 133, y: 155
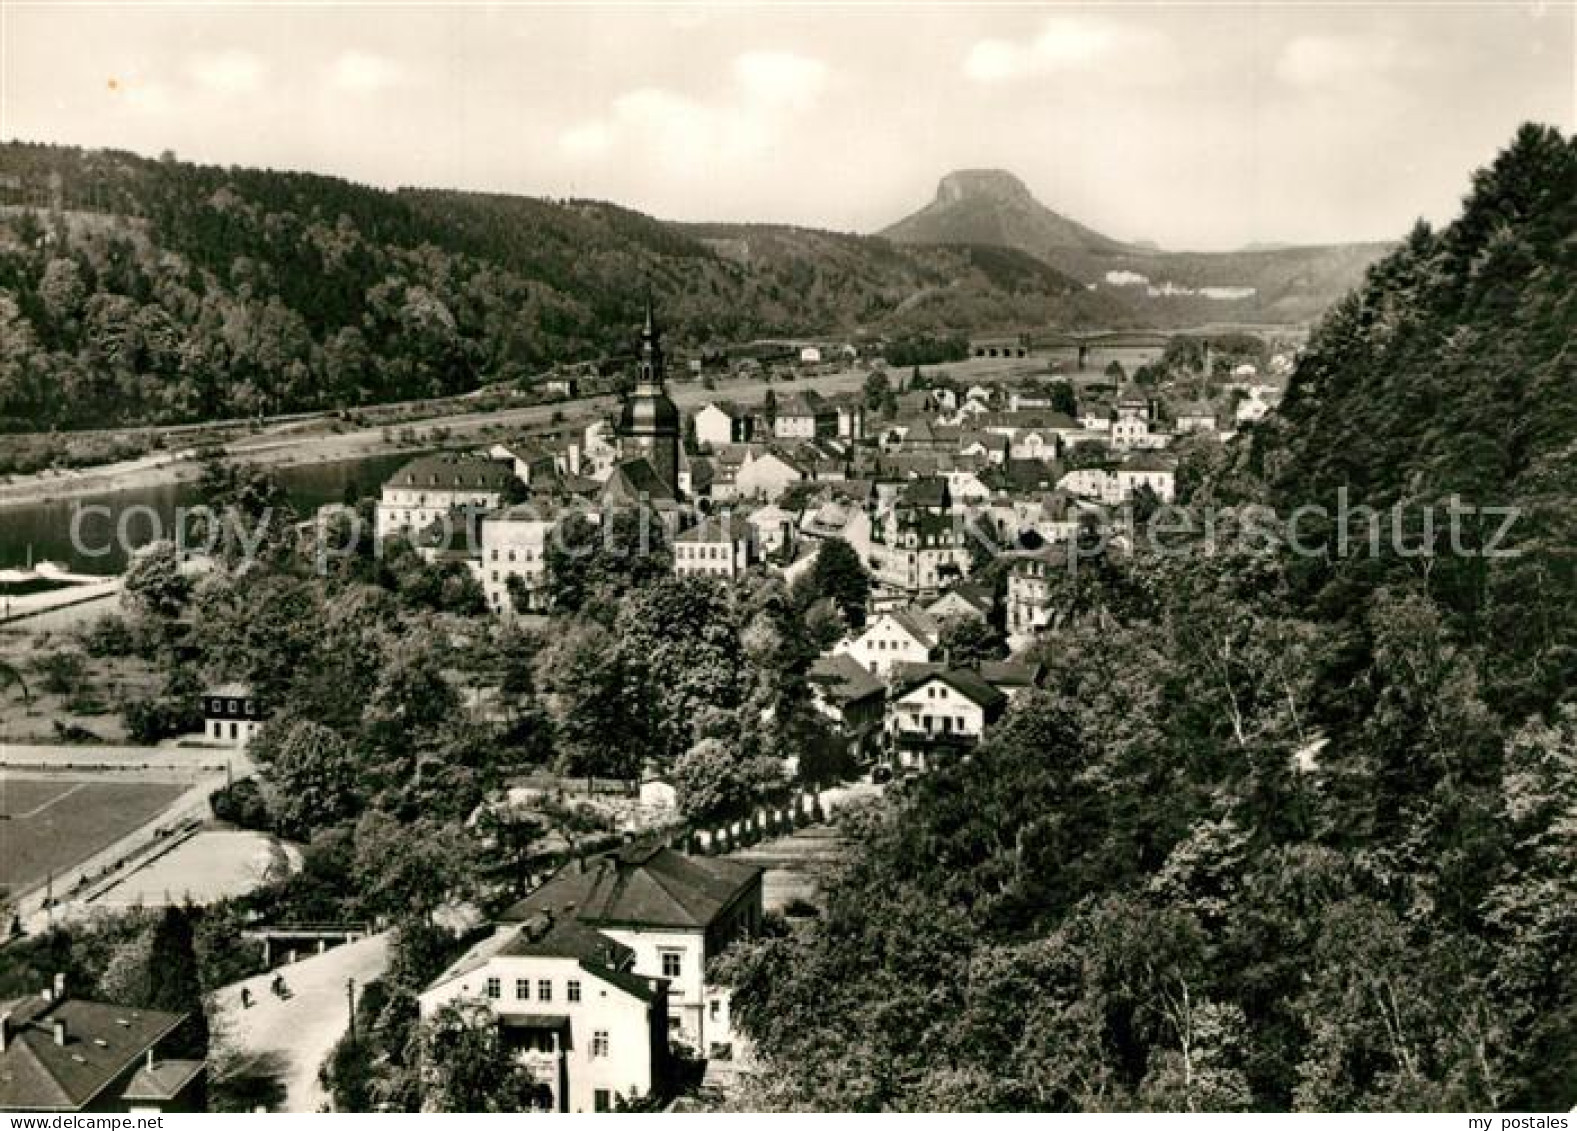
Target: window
x: 544, y: 990
x: 601, y: 1100
x: 673, y: 963
x: 493, y: 989
x: 599, y: 1042
x: 234, y: 732
x: 572, y: 990
x: 523, y: 989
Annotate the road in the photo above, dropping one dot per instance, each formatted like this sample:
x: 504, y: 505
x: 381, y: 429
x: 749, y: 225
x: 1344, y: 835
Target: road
x: 293, y: 1036
x: 280, y: 446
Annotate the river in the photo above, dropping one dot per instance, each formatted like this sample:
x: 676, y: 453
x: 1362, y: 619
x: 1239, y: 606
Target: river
x: 43, y: 532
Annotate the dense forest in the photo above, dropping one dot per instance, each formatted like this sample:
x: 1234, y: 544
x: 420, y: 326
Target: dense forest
x: 1281, y: 830
x: 143, y: 291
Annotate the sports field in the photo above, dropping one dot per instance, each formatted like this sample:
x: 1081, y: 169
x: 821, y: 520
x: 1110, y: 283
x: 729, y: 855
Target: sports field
x: 52, y: 824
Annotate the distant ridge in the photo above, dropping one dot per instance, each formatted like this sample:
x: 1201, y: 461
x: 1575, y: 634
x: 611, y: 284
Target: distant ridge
x: 1270, y: 281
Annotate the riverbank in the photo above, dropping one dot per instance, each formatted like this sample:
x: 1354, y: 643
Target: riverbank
x: 300, y: 443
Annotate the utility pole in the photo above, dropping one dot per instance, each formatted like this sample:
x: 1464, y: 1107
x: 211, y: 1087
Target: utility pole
x: 350, y: 1002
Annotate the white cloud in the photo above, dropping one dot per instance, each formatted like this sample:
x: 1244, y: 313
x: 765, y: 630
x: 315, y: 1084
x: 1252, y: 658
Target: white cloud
x: 1322, y: 62
x: 1065, y: 44
x: 360, y: 73
x: 227, y: 72
x: 768, y: 90
x: 589, y: 139
x: 780, y: 78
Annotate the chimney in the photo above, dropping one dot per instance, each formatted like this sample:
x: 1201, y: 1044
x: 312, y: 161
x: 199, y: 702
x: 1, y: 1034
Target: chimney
x: 60, y: 1031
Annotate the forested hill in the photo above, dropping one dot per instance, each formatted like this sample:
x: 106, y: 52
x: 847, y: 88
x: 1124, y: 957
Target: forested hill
x: 1279, y: 831
x: 1453, y: 372
x: 166, y: 291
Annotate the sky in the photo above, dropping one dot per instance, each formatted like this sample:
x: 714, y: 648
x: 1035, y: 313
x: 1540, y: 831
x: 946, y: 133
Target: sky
x: 1196, y: 126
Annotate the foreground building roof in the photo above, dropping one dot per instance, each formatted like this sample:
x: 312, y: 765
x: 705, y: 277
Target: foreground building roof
x: 640, y: 885
x: 46, y: 1068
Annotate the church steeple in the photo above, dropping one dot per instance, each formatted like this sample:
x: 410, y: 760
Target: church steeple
x: 649, y: 377
x: 649, y: 423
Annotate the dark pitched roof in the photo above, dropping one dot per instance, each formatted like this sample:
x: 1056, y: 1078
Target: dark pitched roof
x: 918, y: 624
x: 1026, y: 475
x: 843, y: 680
x: 991, y: 441
x: 926, y: 491
x: 453, y: 472
x: 554, y: 936
x: 807, y: 402
x: 978, y: 596
x: 1029, y: 419
x: 1147, y: 461
x: 966, y: 681
x: 162, y: 1080
x: 547, y: 934
x: 1010, y: 673
x: 634, y: 481
x: 724, y: 529
x: 640, y: 885
x: 102, y: 1042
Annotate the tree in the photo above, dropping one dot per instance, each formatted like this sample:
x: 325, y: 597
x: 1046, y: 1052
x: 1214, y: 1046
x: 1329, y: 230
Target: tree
x: 313, y: 782
x: 465, y: 1064
x: 411, y: 869
x: 967, y: 641
x: 173, y: 982
x: 600, y: 727
x: 877, y: 391
x: 154, y: 587
x: 839, y: 574
x: 590, y: 565
x: 679, y: 638
x: 61, y: 673
x: 714, y: 781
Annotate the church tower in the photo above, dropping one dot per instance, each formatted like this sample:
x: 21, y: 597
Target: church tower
x: 649, y: 422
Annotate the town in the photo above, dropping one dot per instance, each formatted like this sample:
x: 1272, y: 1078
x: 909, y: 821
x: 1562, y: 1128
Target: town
x: 730, y: 558
x: 920, y: 527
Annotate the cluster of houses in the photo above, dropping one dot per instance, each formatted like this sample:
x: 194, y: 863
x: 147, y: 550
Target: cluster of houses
x: 920, y: 495
x: 948, y: 478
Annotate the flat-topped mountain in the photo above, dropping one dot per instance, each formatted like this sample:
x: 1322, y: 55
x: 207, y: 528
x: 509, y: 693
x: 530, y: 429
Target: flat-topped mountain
x: 993, y: 207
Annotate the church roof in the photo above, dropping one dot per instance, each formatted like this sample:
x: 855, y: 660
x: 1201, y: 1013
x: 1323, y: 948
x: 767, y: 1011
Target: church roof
x: 635, y: 481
